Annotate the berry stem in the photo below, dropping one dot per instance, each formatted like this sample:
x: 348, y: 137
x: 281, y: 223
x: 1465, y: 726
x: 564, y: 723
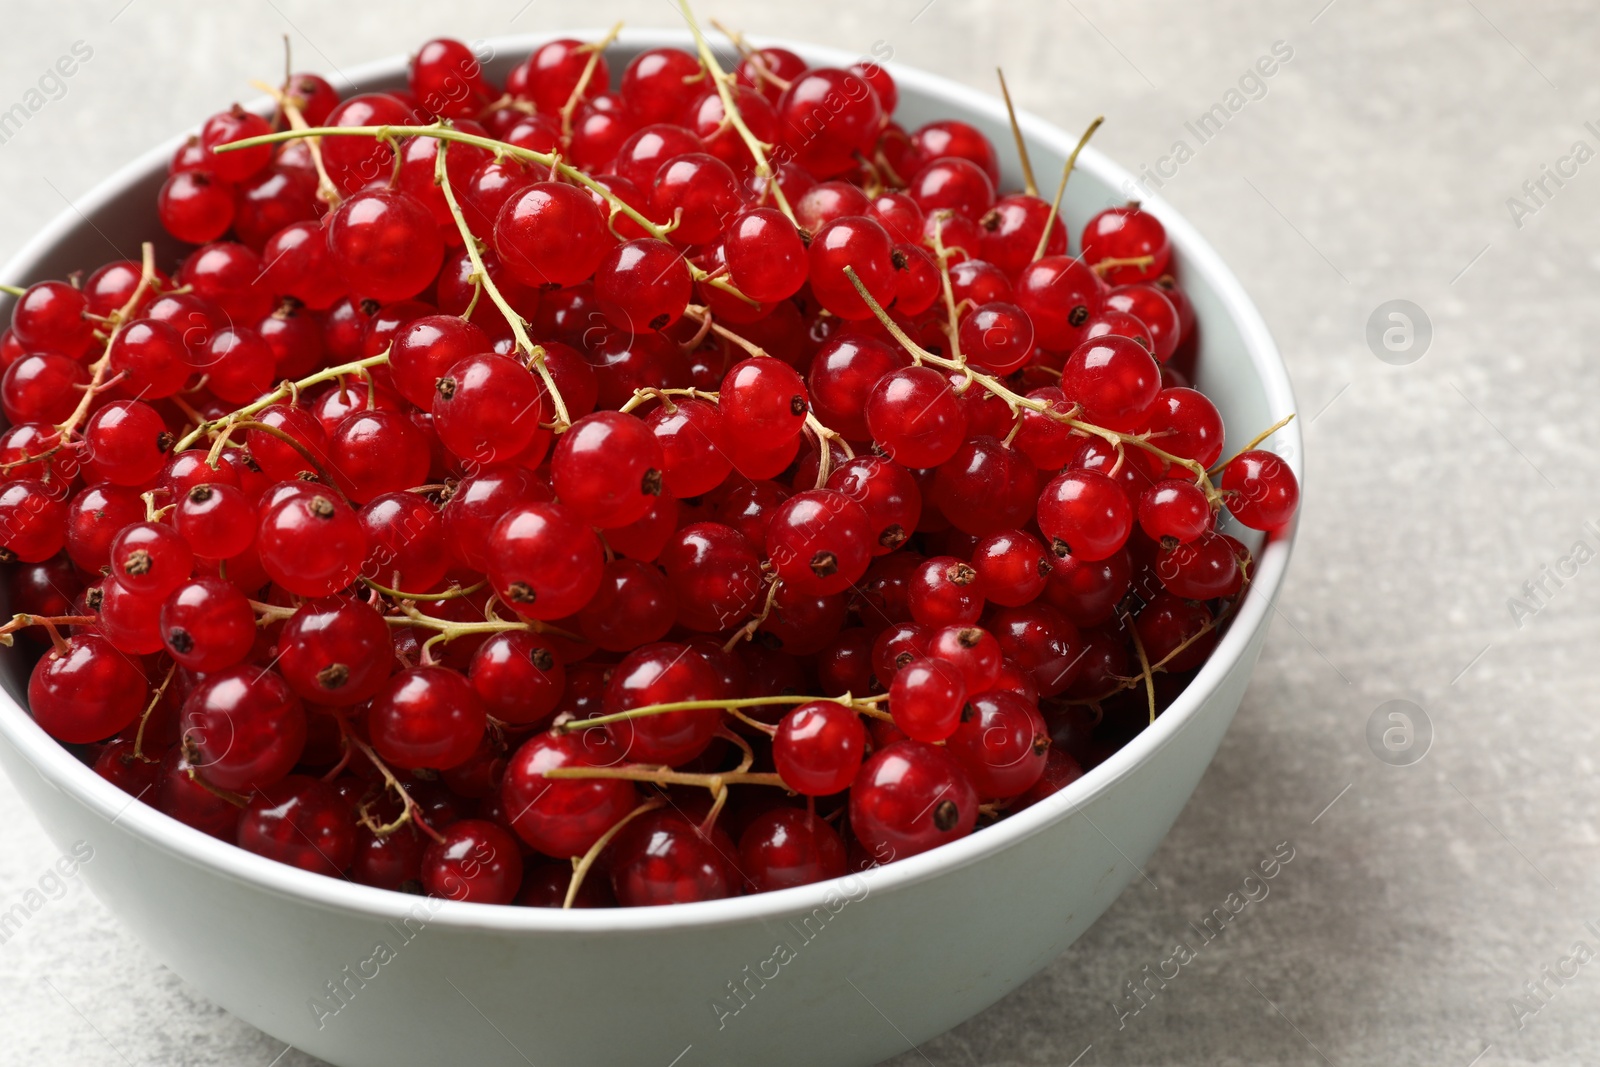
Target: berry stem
x: 1111, y: 263
x: 412, y: 810
x: 305, y: 454
x: 13, y: 290
x: 581, y: 867
x: 453, y: 593
x: 283, y: 392
x: 20, y: 622
x: 1066, y: 172
x: 451, y: 630
x: 1256, y: 440
x: 661, y: 775
x: 327, y: 192
x: 445, y: 133
x: 865, y: 705
x: 480, y: 274
x: 1029, y: 186
x: 1145, y: 670
x: 576, y: 97
x: 731, y: 113
x: 144, y: 720
x: 1017, y: 401
x: 748, y: 630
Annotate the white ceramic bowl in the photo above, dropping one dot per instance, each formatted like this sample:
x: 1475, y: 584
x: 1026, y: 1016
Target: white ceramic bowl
x: 836, y: 973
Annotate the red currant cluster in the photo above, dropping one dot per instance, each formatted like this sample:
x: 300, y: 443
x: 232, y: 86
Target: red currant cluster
x: 707, y: 483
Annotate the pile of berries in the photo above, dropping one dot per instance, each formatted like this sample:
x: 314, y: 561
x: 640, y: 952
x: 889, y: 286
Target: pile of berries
x: 676, y: 488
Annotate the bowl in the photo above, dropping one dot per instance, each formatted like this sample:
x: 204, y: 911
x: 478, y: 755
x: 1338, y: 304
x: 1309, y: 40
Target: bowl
x: 844, y: 972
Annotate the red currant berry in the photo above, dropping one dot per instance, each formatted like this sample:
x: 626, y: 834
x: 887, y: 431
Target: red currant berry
x: 607, y: 469
x: 916, y: 417
x: 335, y: 652
x: 1115, y: 379
x: 216, y: 519
x: 476, y: 862
x: 1260, y: 490
x: 1127, y: 233
x: 643, y: 285
x: 426, y: 717
x: 551, y: 234
x: 564, y: 817
x: 85, y: 690
x: 1174, y: 509
x: 820, y: 542
x: 786, y: 847
x: 1085, y: 515
x: 862, y: 244
x: 909, y: 797
x: 207, y: 625
x: 311, y: 543
x: 543, y: 561
x: 518, y: 677
x: 303, y: 822
x: 246, y: 728
x: 663, y: 858
x: 487, y: 408
x: 1002, y: 745
x: 817, y: 749
x: 766, y: 258
x: 715, y: 573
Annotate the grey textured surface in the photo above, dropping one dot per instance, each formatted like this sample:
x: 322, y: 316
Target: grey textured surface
x: 1376, y: 166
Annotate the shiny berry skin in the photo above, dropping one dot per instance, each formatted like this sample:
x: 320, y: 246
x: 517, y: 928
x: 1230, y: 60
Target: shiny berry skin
x: 699, y: 190
x: 478, y: 503
x: 1260, y: 490
x: 426, y: 348
x: 945, y: 591
x: 487, y: 408
x: 518, y: 677
x: 1203, y: 569
x: 972, y: 650
x: 1002, y: 745
x: 633, y: 606
x: 86, y: 691
x: 763, y: 69
x: 49, y: 317
x: 447, y: 80
x: 550, y: 76
x: 246, y: 726
x: 1059, y: 294
x: 1152, y: 306
x: 335, y: 652
x: 1109, y: 320
x: 385, y: 244
x: 954, y: 183
x: 311, y: 543
x: 225, y: 127
x: 916, y: 417
x: 301, y: 821
x: 477, y: 862
x: 426, y: 717
x: 1085, y: 515
x: 23, y: 449
x: 826, y: 116
x: 406, y: 544
x: 182, y: 794
x: 715, y: 573
x: 860, y: 243
x: 663, y: 858
x: 1011, y: 231
x: 997, y: 337
x: 118, y: 765
x: 207, y: 625
x: 1127, y: 233
x: 1087, y: 592
x: 564, y: 817
x: 648, y: 149
x: 230, y: 275
x: 551, y: 235
x: 378, y: 452
x: 544, y: 562
x: 766, y: 259
x: 94, y: 517
x: 841, y: 377
x: 217, y: 520
x: 662, y: 674
x: 786, y: 847
x: 826, y: 201
x: 909, y: 797
x: 1013, y: 567
x: 128, y: 442
x: 1174, y: 509
x: 762, y: 401
x: 1132, y: 468
x: 32, y: 521
x: 926, y: 699
x: 129, y: 620
x: 195, y: 206
x: 643, y: 285
x: 1186, y: 423
x: 888, y: 494
x: 660, y: 82
x: 1038, y: 639
x: 985, y: 487
x: 352, y: 162
x: 1115, y: 379
x: 817, y: 749
x: 42, y: 387
x: 151, y: 358
x: 606, y: 469
x: 820, y: 542
x: 151, y: 559
x: 1174, y: 632
x: 692, y: 446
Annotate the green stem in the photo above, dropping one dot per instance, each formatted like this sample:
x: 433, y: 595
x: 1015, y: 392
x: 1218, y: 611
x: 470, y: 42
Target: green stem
x: 283, y: 392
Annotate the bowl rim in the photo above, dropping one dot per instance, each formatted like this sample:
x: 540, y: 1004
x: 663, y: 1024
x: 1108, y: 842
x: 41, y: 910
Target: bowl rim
x: 59, y: 767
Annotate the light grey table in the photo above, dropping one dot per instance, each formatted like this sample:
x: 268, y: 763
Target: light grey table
x: 1386, y: 160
